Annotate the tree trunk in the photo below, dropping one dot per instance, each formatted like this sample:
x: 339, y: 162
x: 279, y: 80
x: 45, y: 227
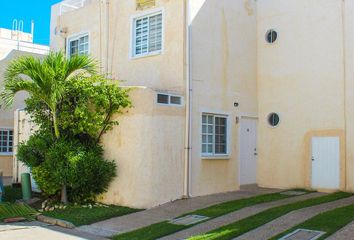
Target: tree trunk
x: 64, y: 195
x: 55, y: 123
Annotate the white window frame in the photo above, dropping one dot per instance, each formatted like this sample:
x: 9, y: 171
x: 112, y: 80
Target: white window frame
x: 75, y: 37
x: 8, y: 140
x: 136, y: 17
x: 169, y: 100
x: 227, y: 145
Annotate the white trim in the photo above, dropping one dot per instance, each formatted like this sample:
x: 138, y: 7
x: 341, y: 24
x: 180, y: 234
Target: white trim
x: 247, y: 115
x: 169, y: 100
x: 146, y: 13
x: 77, y: 36
x: 8, y: 129
x: 226, y: 155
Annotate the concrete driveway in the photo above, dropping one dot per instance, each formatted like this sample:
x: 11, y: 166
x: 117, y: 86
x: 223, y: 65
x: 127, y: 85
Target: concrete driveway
x: 40, y: 231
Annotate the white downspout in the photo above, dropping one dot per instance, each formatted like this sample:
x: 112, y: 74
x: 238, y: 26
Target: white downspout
x: 188, y: 136
x: 107, y: 34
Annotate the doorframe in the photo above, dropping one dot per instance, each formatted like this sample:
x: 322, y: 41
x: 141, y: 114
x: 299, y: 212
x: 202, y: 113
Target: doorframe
x: 240, y: 117
x: 342, y: 158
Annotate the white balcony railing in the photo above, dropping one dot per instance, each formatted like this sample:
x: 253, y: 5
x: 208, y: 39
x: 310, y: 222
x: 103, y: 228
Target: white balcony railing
x: 8, y: 45
x: 71, y: 5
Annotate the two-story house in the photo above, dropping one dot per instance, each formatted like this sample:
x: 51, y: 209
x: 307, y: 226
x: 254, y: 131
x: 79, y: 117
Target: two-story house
x: 226, y: 92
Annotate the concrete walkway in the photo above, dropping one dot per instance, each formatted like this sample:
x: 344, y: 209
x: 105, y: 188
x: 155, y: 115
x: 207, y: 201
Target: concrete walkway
x: 40, y: 231
x: 167, y: 211
x: 236, y: 216
x: 346, y: 233
x: 292, y: 219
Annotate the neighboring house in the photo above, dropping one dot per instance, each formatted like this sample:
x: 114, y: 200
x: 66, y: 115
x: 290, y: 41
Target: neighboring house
x: 226, y: 92
x: 13, y: 44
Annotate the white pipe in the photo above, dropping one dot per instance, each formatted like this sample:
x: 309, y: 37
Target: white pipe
x: 107, y: 34
x: 32, y: 28
x: 344, y: 25
x: 188, y: 120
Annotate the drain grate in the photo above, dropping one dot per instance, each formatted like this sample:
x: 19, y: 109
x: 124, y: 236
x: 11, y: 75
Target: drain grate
x: 303, y: 234
x: 189, y: 220
x: 293, y: 193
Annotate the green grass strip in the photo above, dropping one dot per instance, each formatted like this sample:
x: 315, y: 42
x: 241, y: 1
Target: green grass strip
x: 245, y: 225
x: 79, y: 216
x: 328, y: 222
x: 164, y: 228
x: 9, y: 210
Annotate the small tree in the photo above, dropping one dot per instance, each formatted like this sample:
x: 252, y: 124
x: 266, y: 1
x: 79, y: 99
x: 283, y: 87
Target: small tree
x: 67, y: 99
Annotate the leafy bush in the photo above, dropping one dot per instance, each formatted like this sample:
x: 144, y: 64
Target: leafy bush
x: 82, y: 169
x: 72, y: 106
x: 33, y: 152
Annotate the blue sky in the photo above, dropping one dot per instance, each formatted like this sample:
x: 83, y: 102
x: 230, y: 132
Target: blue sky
x: 27, y: 10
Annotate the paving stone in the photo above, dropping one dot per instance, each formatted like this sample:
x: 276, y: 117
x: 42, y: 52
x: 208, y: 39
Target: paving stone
x: 292, y: 219
x: 235, y: 216
x: 293, y: 193
x: 189, y: 220
x: 170, y: 210
x: 303, y: 234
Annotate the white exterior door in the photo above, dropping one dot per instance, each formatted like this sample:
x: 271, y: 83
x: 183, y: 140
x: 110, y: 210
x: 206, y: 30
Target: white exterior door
x: 248, y: 151
x: 325, y: 162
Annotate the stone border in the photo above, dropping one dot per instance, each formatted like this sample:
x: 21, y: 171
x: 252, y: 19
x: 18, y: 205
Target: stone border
x: 54, y: 221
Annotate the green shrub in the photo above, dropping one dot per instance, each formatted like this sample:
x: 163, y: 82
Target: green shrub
x: 81, y: 168
x: 73, y: 107
x: 32, y: 153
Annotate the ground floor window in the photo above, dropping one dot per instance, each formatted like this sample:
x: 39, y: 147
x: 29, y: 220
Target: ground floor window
x: 6, y: 141
x: 214, y: 134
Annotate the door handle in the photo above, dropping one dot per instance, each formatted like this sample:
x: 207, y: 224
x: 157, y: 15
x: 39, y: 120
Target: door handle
x: 313, y: 159
x: 255, y: 154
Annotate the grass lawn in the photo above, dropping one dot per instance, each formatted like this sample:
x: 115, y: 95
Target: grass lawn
x: 329, y: 222
x: 165, y: 228
x: 245, y: 225
x: 82, y: 216
x: 74, y: 214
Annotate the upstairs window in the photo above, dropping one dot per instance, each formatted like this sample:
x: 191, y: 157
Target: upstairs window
x: 79, y: 45
x: 168, y: 99
x: 6, y: 141
x: 214, y: 135
x: 147, y: 37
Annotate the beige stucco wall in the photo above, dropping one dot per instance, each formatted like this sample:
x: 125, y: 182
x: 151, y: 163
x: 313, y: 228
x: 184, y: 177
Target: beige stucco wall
x: 147, y: 149
x: 148, y: 145
x: 223, y: 66
x: 301, y: 77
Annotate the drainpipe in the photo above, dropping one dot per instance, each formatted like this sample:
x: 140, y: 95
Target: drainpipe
x: 107, y: 34
x: 15, y: 161
x: 345, y: 89
x: 188, y: 120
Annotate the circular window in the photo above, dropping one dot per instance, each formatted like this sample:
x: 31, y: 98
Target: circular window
x: 273, y: 119
x: 271, y: 36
